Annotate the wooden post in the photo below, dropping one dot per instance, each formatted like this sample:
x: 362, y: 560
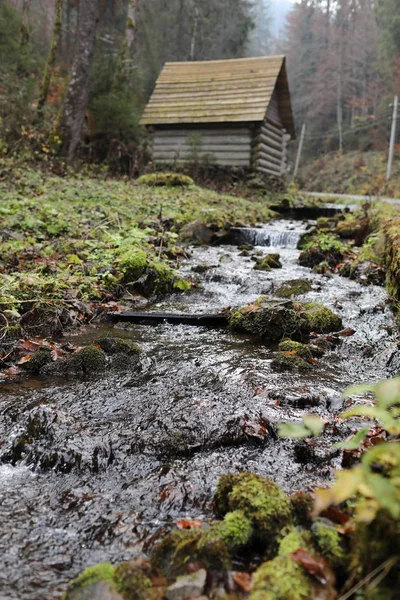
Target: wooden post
x: 299, y: 151
x: 392, y: 138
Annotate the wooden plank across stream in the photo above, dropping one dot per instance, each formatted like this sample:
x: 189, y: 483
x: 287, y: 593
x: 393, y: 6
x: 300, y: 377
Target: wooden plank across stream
x: 148, y: 318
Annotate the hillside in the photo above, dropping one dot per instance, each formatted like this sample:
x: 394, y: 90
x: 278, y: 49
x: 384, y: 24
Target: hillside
x: 352, y: 173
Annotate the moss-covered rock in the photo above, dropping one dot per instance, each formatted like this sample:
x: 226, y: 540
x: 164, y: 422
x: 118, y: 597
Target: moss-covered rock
x: 39, y: 359
x: 179, y: 548
x: 132, y: 265
x: 318, y: 318
x: 236, y: 530
x: 295, y: 539
x: 165, y: 180
x: 272, y: 321
x: 262, y: 502
x: 11, y: 332
x: 90, y: 359
x: 294, y: 287
x: 146, y: 276
x: 268, y: 262
x: 302, y: 507
x: 288, y: 361
x: 281, y: 579
x: 89, y: 577
x: 330, y: 544
x: 112, y: 345
x: 134, y: 579
x: 323, y: 247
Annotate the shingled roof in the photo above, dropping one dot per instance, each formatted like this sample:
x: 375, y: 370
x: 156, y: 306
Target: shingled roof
x: 219, y: 91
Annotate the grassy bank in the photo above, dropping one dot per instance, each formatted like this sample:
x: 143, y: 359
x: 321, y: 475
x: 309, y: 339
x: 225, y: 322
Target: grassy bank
x: 352, y: 173
x: 92, y: 239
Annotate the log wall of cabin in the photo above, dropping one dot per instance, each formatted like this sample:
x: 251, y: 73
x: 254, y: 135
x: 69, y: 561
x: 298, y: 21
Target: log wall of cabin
x: 270, y: 143
x: 225, y: 146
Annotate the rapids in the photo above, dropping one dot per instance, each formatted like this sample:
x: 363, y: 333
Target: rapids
x: 132, y: 452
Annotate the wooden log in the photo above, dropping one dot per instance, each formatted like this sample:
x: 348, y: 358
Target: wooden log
x: 185, y: 131
x: 269, y: 165
x: 231, y: 140
x: 263, y: 139
x: 268, y: 172
x: 272, y: 159
x: 271, y: 124
x: 266, y: 148
x: 227, y: 155
x: 272, y: 133
x: 203, y: 320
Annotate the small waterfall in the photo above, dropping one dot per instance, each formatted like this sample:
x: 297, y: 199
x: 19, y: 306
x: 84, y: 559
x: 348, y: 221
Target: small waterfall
x: 275, y: 238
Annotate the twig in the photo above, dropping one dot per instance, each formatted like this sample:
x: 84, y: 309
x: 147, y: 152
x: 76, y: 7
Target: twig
x: 379, y: 573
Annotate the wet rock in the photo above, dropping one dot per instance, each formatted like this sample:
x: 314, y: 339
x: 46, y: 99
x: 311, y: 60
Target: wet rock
x: 197, y: 232
x: 314, y: 451
x: 268, y: 262
x: 138, y: 579
x: 294, y: 287
x: 88, y: 360
x: 366, y: 272
x: 323, y: 248
x: 302, y: 507
x: 38, y: 361
x: 272, y: 320
x: 188, y: 586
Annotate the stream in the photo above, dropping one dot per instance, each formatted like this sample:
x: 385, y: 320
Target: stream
x: 134, y: 451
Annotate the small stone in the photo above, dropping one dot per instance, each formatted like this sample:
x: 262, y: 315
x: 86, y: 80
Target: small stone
x: 188, y: 586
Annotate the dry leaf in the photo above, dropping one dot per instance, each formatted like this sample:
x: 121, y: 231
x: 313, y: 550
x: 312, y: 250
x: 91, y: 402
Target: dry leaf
x: 243, y: 580
x: 188, y: 524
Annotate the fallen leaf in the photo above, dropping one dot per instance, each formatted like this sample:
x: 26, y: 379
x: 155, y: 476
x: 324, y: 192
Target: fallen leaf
x: 314, y: 565
x: 188, y: 524
x: 336, y: 515
x: 24, y: 359
x: 243, y: 580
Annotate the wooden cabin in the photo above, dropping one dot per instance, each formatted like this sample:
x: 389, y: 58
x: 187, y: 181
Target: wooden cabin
x: 233, y: 113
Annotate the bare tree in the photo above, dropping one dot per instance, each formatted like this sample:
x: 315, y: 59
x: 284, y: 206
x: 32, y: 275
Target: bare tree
x: 76, y: 99
x: 51, y: 60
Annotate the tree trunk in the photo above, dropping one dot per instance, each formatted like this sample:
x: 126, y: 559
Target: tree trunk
x: 51, y: 60
x: 75, y: 103
x: 194, y: 32
x: 181, y: 29
x: 124, y: 69
x: 25, y: 26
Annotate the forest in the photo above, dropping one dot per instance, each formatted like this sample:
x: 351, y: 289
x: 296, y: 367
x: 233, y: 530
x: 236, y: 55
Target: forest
x: 199, y: 358
x: 343, y: 59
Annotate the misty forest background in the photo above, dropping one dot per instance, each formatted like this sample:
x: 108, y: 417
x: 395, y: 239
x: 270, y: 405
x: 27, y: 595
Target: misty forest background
x: 343, y: 62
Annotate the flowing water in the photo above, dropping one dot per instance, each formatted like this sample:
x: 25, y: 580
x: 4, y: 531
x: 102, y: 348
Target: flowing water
x: 118, y: 457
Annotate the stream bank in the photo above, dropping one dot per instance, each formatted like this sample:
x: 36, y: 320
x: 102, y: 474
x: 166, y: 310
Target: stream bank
x: 113, y: 459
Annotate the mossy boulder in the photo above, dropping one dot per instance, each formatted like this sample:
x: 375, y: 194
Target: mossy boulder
x: 323, y: 247
x: 266, y: 320
x: 288, y: 361
x: 318, y: 318
x: 146, y: 277
x: 90, y: 359
x: 302, y: 507
x: 273, y: 320
x: 133, y: 264
x: 112, y: 345
x: 330, y: 543
x: 268, y: 262
x: 197, y: 232
x: 260, y: 500
x: 281, y: 579
x: 295, y: 539
x: 294, y: 287
x: 80, y: 587
x: 165, y: 180
x: 38, y: 361
x: 179, y: 548
x: 139, y: 580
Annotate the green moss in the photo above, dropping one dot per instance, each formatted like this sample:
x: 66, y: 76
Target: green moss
x: 179, y: 548
x: 281, y: 579
x: 302, y: 350
x: 8, y: 302
x: 322, y: 247
x: 295, y: 287
x: 266, y: 320
x: 330, y: 543
x: 119, y: 346
x: 88, y: 359
x: 133, y: 264
x: 296, y: 539
x: 38, y: 360
x: 268, y: 262
x: 134, y: 581
x: 260, y: 500
x: 165, y: 180
x: 319, y: 318
x: 236, y: 530
x: 302, y: 506
x: 12, y: 332
x: 287, y: 361
x: 90, y: 576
